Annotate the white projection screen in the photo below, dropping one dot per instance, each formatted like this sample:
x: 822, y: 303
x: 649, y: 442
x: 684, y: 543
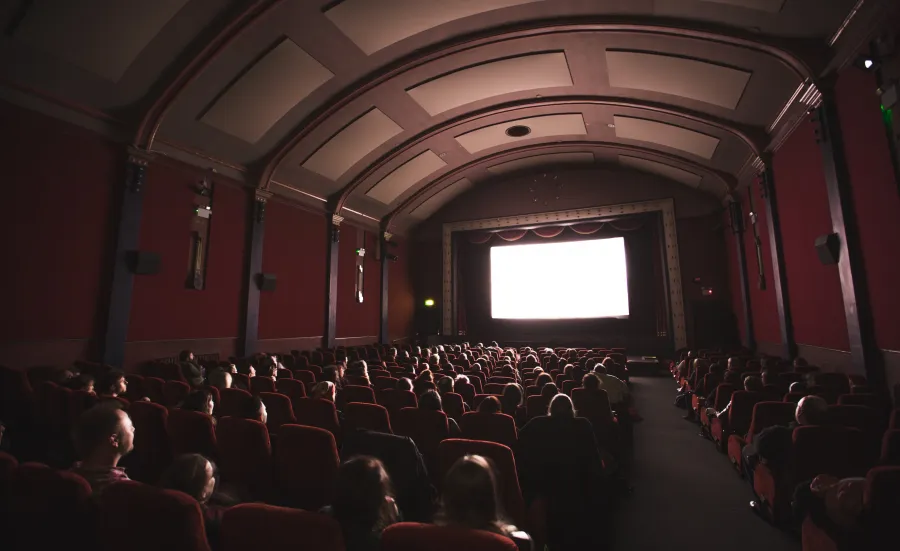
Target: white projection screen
x: 569, y: 280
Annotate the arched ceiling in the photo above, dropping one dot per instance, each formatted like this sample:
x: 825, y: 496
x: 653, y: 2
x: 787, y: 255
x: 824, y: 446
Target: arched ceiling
x: 387, y: 109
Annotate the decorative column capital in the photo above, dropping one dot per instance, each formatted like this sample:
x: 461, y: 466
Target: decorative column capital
x: 387, y: 236
x: 140, y: 157
x: 336, y: 219
x: 262, y: 196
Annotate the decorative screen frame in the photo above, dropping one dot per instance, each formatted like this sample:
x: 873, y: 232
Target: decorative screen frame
x: 673, y: 266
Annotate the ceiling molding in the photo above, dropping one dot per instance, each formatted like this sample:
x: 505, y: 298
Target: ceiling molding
x: 778, y: 49
x: 728, y: 181
x: 754, y: 138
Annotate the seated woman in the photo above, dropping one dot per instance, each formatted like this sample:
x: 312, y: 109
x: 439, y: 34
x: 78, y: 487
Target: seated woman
x: 512, y: 401
x: 363, y: 503
x: 200, y: 400
x: 471, y: 501
x: 198, y: 477
x: 326, y: 390
x: 490, y: 405
x: 431, y: 400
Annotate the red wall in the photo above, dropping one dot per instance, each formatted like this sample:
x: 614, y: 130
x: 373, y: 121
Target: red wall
x: 163, y: 308
x: 294, y: 250
x: 355, y: 319
x: 734, y: 275
x: 401, y: 297
x: 815, y: 290
x: 766, y: 327
x: 57, y: 197
x: 875, y: 198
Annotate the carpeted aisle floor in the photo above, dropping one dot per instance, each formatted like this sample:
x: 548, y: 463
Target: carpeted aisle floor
x: 687, y: 496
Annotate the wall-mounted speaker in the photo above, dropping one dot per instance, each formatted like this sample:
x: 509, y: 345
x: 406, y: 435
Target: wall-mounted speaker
x: 266, y: 282
x: 143, y: 262
x: 828, y: 247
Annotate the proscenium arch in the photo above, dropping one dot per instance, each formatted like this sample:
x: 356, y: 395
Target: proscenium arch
x: 727, y: 180
x: 670, y: 237
x: 712, y: 33
x: 751, y: 136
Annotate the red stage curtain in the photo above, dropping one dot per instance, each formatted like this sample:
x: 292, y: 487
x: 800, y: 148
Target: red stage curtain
x: 549, y: 232
x: 478, y: 237
x: 512, y: 235
x: 587, y: 228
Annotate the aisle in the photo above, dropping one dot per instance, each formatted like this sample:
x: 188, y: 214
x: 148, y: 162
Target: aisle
x: 687, y: 496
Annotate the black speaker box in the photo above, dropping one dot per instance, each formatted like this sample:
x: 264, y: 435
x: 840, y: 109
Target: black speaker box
x: 267, y: 282
x: 143, y: 262
x: 829, y: 248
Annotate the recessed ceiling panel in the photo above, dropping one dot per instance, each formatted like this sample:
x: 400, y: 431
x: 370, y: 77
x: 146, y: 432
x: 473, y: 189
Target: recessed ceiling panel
x: 374, y: 24
x: 569, y: 124
x: 771, y: 6
x: 668, y: 135
x: 405, y: 176
x: 100, y: 36
x: 666, y: 171
x: 266, y: 92
x: 576, y: 158
x: 679, y: 76
x: 493, y: 78
x: 432, y: 204
x: 351, y: 144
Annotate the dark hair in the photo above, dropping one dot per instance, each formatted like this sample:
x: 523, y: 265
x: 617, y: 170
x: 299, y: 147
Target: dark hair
x: 590, y: 382
x: 430, y: 400
x: 184, y: 356
x: 79, y: 382
x: 360, y: 501
x: 549, y: 390
x: 543, y: 379
x: 110, y: 378
x: 561, y: 406
x: 445, y: 384
x: 253, y: 405
x: 732, y: 377
x: 753, y: 383
x: 471, y: 498
x: 404, y: 384
x: 187, y: 474
x: 489, y: 405
x: 197, y: 400
x: 95, y: 426
x: 513, y: 395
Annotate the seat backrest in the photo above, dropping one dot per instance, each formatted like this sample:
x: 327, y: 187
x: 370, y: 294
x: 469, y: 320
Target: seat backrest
x: 768, y: 414
x: 504, y: 461
x: 494, y: 388
x: 261, y: 384
x: 79, y: 402
x: 881, y: 498
x: 491, y: 427
x: 466, y: 390
x: 836, y: 383
x: 426, y: 428
x: 153, y: 389
x: 284, y: 373
x: 358, y: 393
x: 8, y: 466
x: 152, y: 452
x: 723, y: 395
x: 305, y: 467
x: 358, y: 415
x: 890, y: 448
x: 476, y: 401
x: 536, y: 405
x: 256, y: 526
x: 866, y: 399
x: 741, y: 412
x: 381, y: 383
x: 863, y: 418
x: 245, y: 455
x: 234, y: 402
x: 395, y: 400
x: 316, y: 412
x: 592, y: 405
x: 174, y: 392
x: 38, y: 494
x: 838, y: 451
x: 454, y: 405
x: 140, y: 517
x: 279, y: 410
x: 192, y: 432
x: 292, y: 388
x: 305, y: 375
x: 412, y: 536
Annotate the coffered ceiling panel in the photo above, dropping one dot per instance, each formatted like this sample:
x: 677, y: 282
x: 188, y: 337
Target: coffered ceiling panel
x: 375, y: 24
x: 570, y: 124
x: 100, y: 36
x: 574, y: 158
x: 407, y: 175
x: 771, y: 6
x: 689, y: 78
x: 268, y: 90
x: 351, y: 144
x: 431, y: 205
x: 668, y: 135
x: 668, y: 171
x: 493, y: 78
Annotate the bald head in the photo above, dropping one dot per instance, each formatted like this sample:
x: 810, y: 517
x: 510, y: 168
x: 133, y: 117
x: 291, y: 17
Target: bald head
x: 811, y: 410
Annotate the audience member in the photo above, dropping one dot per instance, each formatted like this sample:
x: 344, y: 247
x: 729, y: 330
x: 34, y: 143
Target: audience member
x: 363, y: 503
x: 615, y: 388
x: 491, y: 404
x: 83, y: 382
x: 220, y: 379
x: 549, y: 390
x: 404, y: 384
x: 256, y: 410
x: 543, y: 379
x: 103, y: 435
x: 112, y: 384
x: 198, y: 477
x: 431, y: 400
x: 199, y: 400
x: 471, y: 500
x: 191, y: 373
x: 445, y: 385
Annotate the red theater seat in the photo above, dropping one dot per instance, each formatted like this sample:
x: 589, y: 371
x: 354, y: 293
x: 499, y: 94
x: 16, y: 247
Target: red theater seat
x: 245, y: 456
x: 738, y: 419
x: 192, y: 432
x: 367, y: 416
x: 426, y: 428
x: 8, y: 466
x: 494, y: 388
x: 411, y: 536
x: 261, y: 384
x: 174, y: 392
x: 536, y: 406
x: 395, y: 400
x: 279, y: 410
x: 890, y: 448
x: 291, y: 388
x: 382, y: 383
x: 316, y: 412
x: 490, y: 427
x: 153, y: 389
x: 765, y: 415
x: 257, y: 527
x: 306, y: 462
x: 152, y: 453
x: 453, y: 405
x: 722, y: 397
x: 357, y: 393
x: 58, y: 501
x: 139, y: 517
x: 234, y: 402
x: 501, y: 456
x: 306, y: 376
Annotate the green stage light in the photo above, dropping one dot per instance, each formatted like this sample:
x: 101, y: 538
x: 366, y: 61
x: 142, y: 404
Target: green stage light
x: 429, y: 302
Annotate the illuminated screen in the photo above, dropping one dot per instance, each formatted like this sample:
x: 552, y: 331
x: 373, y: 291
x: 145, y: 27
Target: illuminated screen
x: 575, y: 279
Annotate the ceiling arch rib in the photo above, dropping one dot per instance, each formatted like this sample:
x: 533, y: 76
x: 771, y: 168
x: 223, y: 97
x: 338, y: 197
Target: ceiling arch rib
x: 727, y: 181
x: 751, y: 137
x: 710, y: 33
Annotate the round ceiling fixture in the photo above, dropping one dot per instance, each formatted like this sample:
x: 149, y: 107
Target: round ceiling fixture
x: 518, y: 131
